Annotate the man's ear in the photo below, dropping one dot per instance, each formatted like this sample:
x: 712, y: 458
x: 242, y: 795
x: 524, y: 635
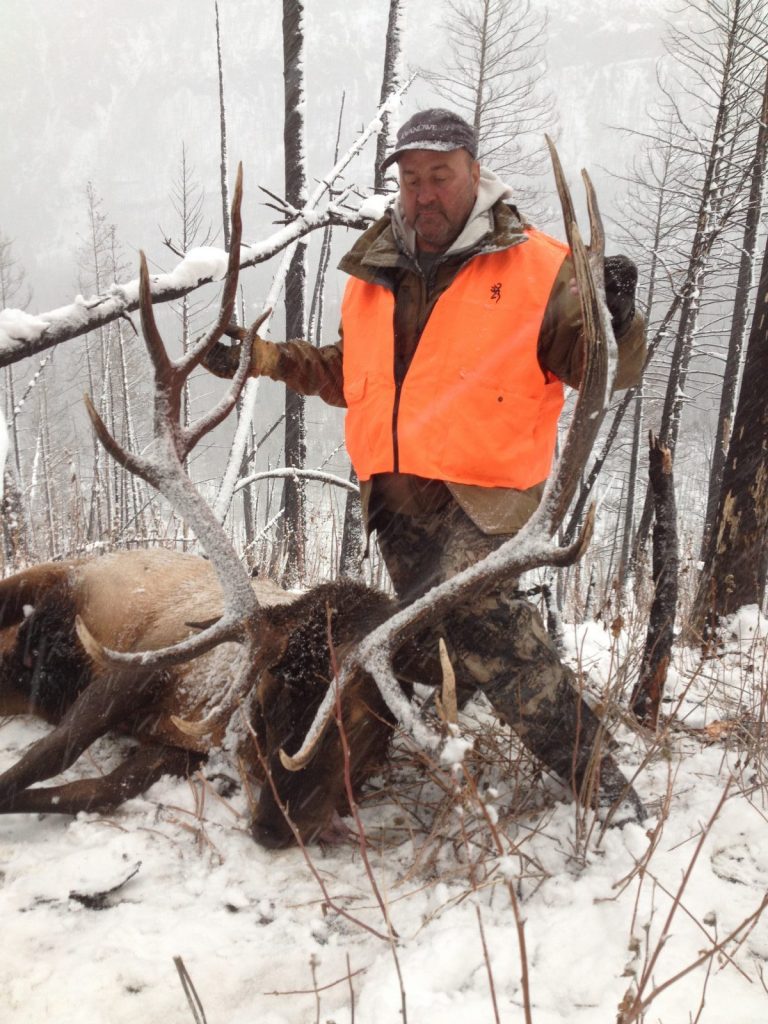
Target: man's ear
x: 475, y: 174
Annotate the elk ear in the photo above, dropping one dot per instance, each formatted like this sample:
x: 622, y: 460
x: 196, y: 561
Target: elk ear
x: 91, y: 645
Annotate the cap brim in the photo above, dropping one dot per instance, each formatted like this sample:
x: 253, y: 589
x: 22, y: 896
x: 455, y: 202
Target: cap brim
x: 429, y: 144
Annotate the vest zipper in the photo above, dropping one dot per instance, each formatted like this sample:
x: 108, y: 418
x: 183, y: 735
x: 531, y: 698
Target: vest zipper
x: 400, y: 372
x: 395, y: 443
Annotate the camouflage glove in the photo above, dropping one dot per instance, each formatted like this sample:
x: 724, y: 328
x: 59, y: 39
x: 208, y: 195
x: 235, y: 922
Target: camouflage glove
x: 620, y: 285
x: 223, y: 360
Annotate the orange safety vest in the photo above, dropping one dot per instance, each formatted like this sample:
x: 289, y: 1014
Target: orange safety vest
x: 474, y: 406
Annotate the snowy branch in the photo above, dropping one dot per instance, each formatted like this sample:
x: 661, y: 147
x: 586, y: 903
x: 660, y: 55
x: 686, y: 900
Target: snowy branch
x: 23, y: 335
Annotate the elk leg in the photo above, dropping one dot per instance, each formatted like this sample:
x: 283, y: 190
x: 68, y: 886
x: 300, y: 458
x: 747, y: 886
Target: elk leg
x: 136, y: 774
x: 104, y: 704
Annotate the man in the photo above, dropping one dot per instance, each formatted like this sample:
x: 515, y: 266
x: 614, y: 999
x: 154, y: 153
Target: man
x: 460, y: 322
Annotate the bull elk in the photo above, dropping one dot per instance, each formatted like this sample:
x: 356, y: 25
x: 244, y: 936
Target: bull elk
x: 185, y: 653
x: 144, y: 600
x: 150, y: 641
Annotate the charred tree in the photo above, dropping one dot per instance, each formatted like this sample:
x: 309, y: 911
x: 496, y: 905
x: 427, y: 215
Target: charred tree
x: 646, y: 698
x: 732, y: 85
x: 391, y: 81
x: 736, y: 561
x: 292, y: 522
x: 739, y: 322
x: 223, y: 160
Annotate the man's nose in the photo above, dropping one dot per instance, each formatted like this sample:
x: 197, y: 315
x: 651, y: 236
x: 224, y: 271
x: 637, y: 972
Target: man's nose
x: 425, y: 195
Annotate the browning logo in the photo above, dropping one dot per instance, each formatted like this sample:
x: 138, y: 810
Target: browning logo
x: 496, y: 291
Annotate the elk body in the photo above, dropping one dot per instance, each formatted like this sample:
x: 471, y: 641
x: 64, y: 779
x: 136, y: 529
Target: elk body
x: 137, y: 601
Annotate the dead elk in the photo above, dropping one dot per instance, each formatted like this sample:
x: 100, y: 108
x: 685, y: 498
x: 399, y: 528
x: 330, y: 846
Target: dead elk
x: 145, y: 600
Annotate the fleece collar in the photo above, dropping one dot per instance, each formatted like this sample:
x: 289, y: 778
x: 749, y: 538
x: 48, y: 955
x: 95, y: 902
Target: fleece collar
x: 479, y: 225
x: 389, y: 244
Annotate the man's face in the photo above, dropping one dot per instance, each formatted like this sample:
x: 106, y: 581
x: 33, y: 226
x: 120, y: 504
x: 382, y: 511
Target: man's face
x: 437, y: 192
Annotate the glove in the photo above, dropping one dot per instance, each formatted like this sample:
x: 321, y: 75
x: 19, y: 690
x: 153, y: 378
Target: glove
x: 620, y: 285
x: 223, y: 360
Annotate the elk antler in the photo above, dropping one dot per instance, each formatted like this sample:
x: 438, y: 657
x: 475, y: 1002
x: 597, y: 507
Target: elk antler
x: 162, y: 466
x: 533, y: 546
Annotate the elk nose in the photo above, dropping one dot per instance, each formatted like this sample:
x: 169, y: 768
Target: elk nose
x: 271, y: 838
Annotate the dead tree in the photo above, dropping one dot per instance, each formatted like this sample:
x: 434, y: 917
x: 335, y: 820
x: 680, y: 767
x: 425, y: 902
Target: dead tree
x: 292, y: 528
x: 494, y: 76
x: 728, y: 38
x: 738, y: 329
x: 736, y: 560
x: 646, y: 697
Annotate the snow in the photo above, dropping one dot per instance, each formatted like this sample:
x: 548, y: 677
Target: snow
x: 203, y: 263
x: 374, y: 207
x: 16, y: 325
x: 95, y: 908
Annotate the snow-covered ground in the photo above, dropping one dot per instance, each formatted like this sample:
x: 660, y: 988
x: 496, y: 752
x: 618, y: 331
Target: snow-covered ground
x: 94, y: 910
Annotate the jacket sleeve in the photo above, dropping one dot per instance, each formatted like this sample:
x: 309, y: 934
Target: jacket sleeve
x: 561, y: 349
x: 307, y: 369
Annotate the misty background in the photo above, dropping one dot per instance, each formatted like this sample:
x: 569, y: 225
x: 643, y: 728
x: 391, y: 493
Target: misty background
x: 98, y: 97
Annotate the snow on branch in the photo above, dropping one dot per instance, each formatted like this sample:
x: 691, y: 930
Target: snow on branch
x: 305, y: 474
x: 22, y: 335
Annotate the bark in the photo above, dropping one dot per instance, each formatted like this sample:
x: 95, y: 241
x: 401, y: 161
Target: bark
x: 721, y: 187
x: 736, y: 561
x: 391, y: 81
x: 738, y: 324
x: 649, y: 690
x: 292, y: 523
x: 222, y: 135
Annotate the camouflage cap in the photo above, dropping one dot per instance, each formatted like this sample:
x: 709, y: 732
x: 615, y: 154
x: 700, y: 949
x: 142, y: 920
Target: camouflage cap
x: 436, y: 129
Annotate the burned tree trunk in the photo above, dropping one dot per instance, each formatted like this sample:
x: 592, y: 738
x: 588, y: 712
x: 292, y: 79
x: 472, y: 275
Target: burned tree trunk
x: 739, y: 322
x: 736, y: 561
x: 292, y: 532
x: 646, y: 698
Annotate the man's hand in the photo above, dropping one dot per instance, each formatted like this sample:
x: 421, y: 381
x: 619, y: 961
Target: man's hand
x: 223, y: 360
x: 620, y: 285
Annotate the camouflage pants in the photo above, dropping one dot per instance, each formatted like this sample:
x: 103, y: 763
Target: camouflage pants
x: 500, y: 645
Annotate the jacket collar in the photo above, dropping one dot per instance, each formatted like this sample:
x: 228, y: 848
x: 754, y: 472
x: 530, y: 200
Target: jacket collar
x: 493, y: 226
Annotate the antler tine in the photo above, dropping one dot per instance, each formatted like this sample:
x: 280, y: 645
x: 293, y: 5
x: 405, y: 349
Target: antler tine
x: 563, y: 191
x: 229, y: 293
x: 125, y: 459
x: 225, y: 629
x: 596, y: 229
x: 152, y: 339
x: 222, y: 409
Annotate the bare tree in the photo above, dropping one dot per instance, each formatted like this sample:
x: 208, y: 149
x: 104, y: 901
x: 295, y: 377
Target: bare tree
x: 741, y: 304
x: 495, y: 76
x: 646, y: 698
x: 391, y: 81
x: 92, y: 257
x: 736, y: 560
x: 720, y: 58
x: 13, y: 292
x: 292, y: 524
